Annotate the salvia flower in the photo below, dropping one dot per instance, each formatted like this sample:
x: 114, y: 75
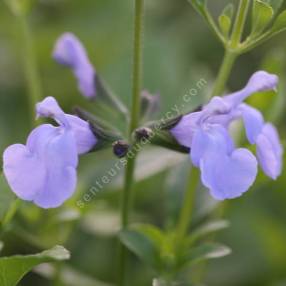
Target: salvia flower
x: 70, y: 52
x: 44, y: 170
x: 228, y: 171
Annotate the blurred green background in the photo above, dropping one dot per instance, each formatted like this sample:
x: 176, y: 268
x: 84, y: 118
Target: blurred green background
x: 179, y: 50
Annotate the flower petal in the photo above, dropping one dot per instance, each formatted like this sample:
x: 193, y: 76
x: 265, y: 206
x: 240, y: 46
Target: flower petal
x: 83, y: 135
x: 215, y: 137
x: 270, y: 151
x: 60, y: 159
x: 229, y: 177
x: 226, y: 173
x: 86, y: 80
x: 43, y: 171
x: 70, y: 52
x: 184, y: 130
x: 259, y: 81
x: 85, y: 139
x: 253, y: 122
x: 24, y: 171
x: 50, y: 108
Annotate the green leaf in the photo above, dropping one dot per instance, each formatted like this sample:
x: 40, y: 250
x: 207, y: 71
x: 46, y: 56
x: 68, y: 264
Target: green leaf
x: 142, y: 246
x: 13, y: 268
x: 207, y: 229
x: 205, y: 252
x: 224, y: 24
x: 280, y: 23
x: 152, y: 232
x: 262, y: 14
x: 225, y: 19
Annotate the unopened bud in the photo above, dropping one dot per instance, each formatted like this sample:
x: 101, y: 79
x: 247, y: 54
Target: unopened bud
x: 120, y: 148
x: 143, y: 133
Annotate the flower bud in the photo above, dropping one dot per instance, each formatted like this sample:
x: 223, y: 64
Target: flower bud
x: 120, y: 148
x: 143, y: 133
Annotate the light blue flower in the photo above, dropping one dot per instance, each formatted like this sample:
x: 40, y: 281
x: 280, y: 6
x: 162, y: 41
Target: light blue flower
x: 226, y: 171
x: 44, y: 170
x: 70, y: 52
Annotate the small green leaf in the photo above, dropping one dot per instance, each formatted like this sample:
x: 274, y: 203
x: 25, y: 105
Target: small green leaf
x: 152, y: 232
x: 205, y: 252
x: 262, y: 14
x: 142, y: 246
x: 224, y: 24
x: 13, y: 268
x: 225, y: 19
x: 280, y: 23
x: 207, y: 229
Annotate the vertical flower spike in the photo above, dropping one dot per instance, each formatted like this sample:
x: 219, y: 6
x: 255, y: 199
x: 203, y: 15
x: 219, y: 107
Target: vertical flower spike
x: 70, y: 52
x: 44, y: 170
x: 226, y: 171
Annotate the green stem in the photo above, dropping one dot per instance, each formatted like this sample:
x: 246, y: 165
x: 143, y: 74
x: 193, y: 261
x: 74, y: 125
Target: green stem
x: 239, y: 23
x: 134, y: 122
x: 224, y: 72
x: 232, y: 49
x: 187, y: 208
x: 30, y: 66
x: 137, y: 64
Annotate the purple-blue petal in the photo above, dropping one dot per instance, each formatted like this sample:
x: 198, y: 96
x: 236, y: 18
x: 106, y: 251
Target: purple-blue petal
x: 43, y: 171
x: 184, y: 130
x: 60, y: 159
x: 215, y: 136
x: 229, y: 177
x: 84, y: 137
x: 24, y: 171
x: 253, y: 122
x: 270, y: 151
x: 69, y: 51
x: 226, y: 172
x: 259, y: 81
x: 50, y: 108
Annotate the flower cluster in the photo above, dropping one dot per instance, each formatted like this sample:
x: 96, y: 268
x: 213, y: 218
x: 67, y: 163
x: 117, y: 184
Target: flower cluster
x: 228, y: 171
x: 44, y: 170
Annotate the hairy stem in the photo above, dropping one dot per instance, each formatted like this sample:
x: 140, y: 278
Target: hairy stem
x: 134, y: 121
